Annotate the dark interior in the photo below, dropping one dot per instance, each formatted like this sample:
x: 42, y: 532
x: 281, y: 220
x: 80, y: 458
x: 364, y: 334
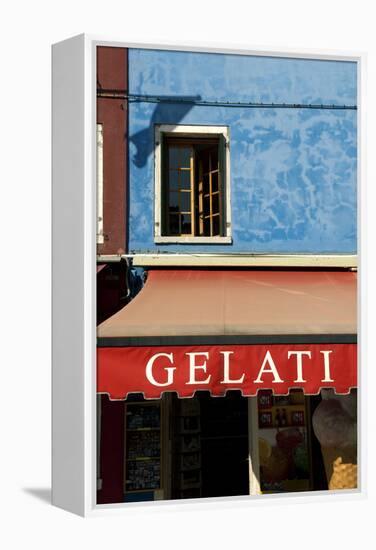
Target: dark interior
x: 224, y: 445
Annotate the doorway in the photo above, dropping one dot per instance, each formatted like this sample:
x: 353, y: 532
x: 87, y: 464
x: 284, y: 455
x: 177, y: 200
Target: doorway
x: 224, y: 445
x: 210, y: 446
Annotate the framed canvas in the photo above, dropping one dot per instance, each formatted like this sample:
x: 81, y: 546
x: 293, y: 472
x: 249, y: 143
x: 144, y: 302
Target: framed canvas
x: 205, y: 256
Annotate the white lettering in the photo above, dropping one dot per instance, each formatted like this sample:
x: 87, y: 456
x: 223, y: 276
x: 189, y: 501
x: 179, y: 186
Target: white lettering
x: 299, y: 363
x: 193, y: 367
x: 170, y: 370
x: 327, y: 377
x: 268, y: 359
x: 226, y: 369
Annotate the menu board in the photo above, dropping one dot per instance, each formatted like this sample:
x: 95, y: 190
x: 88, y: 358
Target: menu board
x: 283, y: 439
x: 143, y: 447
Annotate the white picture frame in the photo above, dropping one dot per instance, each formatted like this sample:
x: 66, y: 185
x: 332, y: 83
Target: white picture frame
x: 74, y: 430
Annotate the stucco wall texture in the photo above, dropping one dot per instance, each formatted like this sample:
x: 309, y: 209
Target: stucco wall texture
x: 293, y: 171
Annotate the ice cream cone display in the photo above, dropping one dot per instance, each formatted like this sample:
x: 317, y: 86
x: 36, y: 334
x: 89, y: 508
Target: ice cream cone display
x: 334, y: 424
x: 340, y: 467
x: 345, y: 475
x: 283, y: 443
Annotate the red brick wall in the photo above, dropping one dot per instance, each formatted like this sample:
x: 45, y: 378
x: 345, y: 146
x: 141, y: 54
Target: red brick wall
x: 112, y: 75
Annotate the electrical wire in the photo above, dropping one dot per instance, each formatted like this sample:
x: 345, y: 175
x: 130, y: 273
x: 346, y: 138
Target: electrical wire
x: 135, y: 98
x: 237, y: 104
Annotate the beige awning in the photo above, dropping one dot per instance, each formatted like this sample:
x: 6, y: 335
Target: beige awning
x: 200, y: 303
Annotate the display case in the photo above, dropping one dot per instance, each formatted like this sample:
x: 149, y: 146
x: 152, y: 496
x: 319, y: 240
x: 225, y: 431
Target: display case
x: 143, y: 450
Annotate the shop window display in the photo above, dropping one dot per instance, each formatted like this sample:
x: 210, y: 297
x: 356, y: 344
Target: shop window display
x: 284, y: 442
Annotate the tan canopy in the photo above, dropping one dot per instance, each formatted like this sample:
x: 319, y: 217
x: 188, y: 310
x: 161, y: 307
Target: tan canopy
x: 238, y: 302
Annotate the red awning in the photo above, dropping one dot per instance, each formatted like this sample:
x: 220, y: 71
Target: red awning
x: 219, y: 330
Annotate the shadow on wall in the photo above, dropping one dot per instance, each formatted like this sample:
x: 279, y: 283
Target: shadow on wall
x: 178, y: 108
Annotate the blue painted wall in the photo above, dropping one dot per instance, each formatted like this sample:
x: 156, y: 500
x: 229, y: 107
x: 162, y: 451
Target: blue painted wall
x: 293, y: 171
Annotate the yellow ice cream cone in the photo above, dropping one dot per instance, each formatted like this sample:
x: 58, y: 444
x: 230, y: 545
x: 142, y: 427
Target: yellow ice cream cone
x: 341, y: 467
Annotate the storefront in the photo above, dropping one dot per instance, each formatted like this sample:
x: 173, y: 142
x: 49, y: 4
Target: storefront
x: 218, y: 372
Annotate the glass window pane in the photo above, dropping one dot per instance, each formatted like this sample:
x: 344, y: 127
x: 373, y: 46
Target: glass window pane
x: 205, y: 162
x: 206, y: 184
x: 173, y: 157
x: 215, y: 225
x: 215, y: 203
x: 173, y: 202
x: 184, y: 157
x: 207, y: 227
x: 186, y: 227
x: 207, y: 205
x: 215, y: 182
x: 174, y: 179
x: 185, y: 179
x: 185, y: 201
x: 174, y: 224
x: 214, y: 159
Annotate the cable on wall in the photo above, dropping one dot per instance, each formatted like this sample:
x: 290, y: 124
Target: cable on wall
x: 121, y: 94
x: 239, y: 104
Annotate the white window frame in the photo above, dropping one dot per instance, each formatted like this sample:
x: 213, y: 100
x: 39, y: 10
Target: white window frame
x: 191, y: 131
x: 100, y: 235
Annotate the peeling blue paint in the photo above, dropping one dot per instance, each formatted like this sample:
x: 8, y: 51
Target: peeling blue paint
x: 293, y: 171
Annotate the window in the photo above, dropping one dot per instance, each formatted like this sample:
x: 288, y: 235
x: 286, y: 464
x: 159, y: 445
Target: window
x: 192, y: 184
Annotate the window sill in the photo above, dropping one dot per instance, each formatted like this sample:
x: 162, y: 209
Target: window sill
x: 193, y: 240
